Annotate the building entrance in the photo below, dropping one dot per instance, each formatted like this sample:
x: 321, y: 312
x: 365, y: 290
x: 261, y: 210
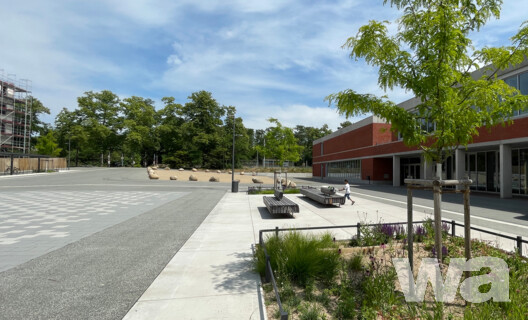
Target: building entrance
x: 409, y: 167
x: 483, y: 169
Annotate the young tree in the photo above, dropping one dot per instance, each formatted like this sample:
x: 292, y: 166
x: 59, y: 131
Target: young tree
x: 432, y: 56
x: 281, y: 143
x: 47, y: 145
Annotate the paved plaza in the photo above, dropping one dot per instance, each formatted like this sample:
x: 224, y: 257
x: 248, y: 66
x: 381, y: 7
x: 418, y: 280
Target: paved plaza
x: 110, y: 244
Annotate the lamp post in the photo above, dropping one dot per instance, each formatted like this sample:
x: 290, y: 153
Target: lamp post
x: 69, y: 150
x: 233, y: 188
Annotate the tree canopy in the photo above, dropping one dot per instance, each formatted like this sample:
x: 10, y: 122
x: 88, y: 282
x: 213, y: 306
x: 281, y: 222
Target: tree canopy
x: 432, y: 56
x: 281, y: 143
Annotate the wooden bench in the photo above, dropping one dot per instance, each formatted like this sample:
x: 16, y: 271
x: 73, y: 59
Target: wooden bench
x: 278, y: 204
x: 324, y: 198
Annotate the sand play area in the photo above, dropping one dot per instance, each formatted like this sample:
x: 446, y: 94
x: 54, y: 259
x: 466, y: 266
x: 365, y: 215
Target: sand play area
x: 204, y: 176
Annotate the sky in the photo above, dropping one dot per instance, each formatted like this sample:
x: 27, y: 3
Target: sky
x: 268, y: 58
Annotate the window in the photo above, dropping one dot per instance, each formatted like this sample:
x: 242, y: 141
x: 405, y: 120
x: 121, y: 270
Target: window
x: 345, y: 169
x: 523, y: 87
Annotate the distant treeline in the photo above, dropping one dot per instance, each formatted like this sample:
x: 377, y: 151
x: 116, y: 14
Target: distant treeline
x: 199, y: 133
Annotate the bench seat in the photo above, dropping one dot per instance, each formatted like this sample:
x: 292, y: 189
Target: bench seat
x: 282, y: 206
x: 323, y: 198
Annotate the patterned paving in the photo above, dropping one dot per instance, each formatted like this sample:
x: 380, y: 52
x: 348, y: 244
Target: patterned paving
x: 35, y: 222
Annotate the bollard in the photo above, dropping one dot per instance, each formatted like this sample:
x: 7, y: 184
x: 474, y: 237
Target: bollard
x: 277, y: 231
x: 358, y: 231
x: 453, y: 228
x: 519, y: 245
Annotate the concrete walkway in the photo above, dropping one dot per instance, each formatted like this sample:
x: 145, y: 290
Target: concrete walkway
x: 211, y: 276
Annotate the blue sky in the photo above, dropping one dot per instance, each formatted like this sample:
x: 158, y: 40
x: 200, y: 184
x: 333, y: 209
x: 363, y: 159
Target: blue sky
x: 268, y: 58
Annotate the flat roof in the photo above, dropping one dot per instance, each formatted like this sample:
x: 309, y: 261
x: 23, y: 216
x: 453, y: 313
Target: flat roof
x: 352, y: 127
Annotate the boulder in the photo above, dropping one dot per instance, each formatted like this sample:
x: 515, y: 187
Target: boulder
x: 253, y: 173
x: 173, y: 178
x: 167, y: 168
x: 230, y: 172
x: 214, y: 179
x: 193, y: 178
x: 255, y: 180
x: 194, y: 170
x: 206, y: 170
x: 218, y: 171
x: 292, y: 184
x: 283, y: 182
x: 153, y: 176
x: 181, y: 169
x: 242, y: 173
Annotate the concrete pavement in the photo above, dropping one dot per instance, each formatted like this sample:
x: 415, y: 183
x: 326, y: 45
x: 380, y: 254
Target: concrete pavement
x: 211, y: 277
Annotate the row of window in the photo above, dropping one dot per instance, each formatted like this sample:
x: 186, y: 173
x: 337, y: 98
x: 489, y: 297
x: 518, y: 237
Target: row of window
x: 345, y: 169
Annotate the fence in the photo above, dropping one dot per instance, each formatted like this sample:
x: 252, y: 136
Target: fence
x: 269, y: 272
x: 14, y: 163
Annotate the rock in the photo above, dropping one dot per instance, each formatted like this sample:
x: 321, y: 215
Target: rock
x: 193, y: 178
x: 292, y: 184
x: 181, y: 169
x: 283, y: 182
x: 173, y: 178
x: 167, y: 168
x: 214, y: 179
x: 255, y: 180
x: 206, y: 170
x: 218, y: 171
x: 153, y: 176
x: 194, y: 170
x: 154, y: 168
x: 253, y: 173
x: 230, y: 172
x: 242, y: 173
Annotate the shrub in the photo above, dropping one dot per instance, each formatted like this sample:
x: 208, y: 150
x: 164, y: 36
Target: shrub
x: 301, y: 257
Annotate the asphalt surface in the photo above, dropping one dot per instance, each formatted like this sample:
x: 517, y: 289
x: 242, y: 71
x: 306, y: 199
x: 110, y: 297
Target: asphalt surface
x: 100, y: 274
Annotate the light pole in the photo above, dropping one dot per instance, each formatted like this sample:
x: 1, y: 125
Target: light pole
x: 233, y: 189
x: 69, y: 150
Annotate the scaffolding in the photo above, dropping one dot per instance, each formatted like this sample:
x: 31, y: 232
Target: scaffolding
x: 15, y: 114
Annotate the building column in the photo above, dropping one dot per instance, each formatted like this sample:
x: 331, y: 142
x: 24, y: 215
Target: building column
x: 396, y: 171
x: 505, y: 171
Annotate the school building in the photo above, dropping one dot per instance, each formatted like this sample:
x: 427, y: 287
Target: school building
x: 368, y: 152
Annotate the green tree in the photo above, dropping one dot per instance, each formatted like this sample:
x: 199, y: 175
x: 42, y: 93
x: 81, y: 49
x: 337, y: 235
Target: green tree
x: 281, y: 143
x: 170, y: 134
x: 305, y: 137
x: 242, y: 139
x: 47, y: 145
x: 100, y: 116
x: 71, y: 135
x: 431, y: 56
x: 139, y: 128
x: 344, y: 124
x: 201, y: 130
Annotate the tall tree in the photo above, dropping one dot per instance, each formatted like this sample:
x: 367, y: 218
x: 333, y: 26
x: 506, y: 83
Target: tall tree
x: 305, y: 137
x: 201, y: 129
x: 139, y: 128
x: 101, y: 117
x: 242, y: 139
x: 170, y: 134
x: 281, y: 143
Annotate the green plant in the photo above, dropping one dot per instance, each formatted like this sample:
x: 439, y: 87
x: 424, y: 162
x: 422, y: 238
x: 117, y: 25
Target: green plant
x: 301, y: 257
x: 310, y: 311
x: 355, y: 263
x: 346, y: 307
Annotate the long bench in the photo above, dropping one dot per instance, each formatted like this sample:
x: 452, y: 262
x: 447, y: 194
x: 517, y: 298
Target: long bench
x: 323, y: 198
x: 278, y: 204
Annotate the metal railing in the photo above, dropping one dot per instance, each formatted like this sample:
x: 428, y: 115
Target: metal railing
x: 269, y: 276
